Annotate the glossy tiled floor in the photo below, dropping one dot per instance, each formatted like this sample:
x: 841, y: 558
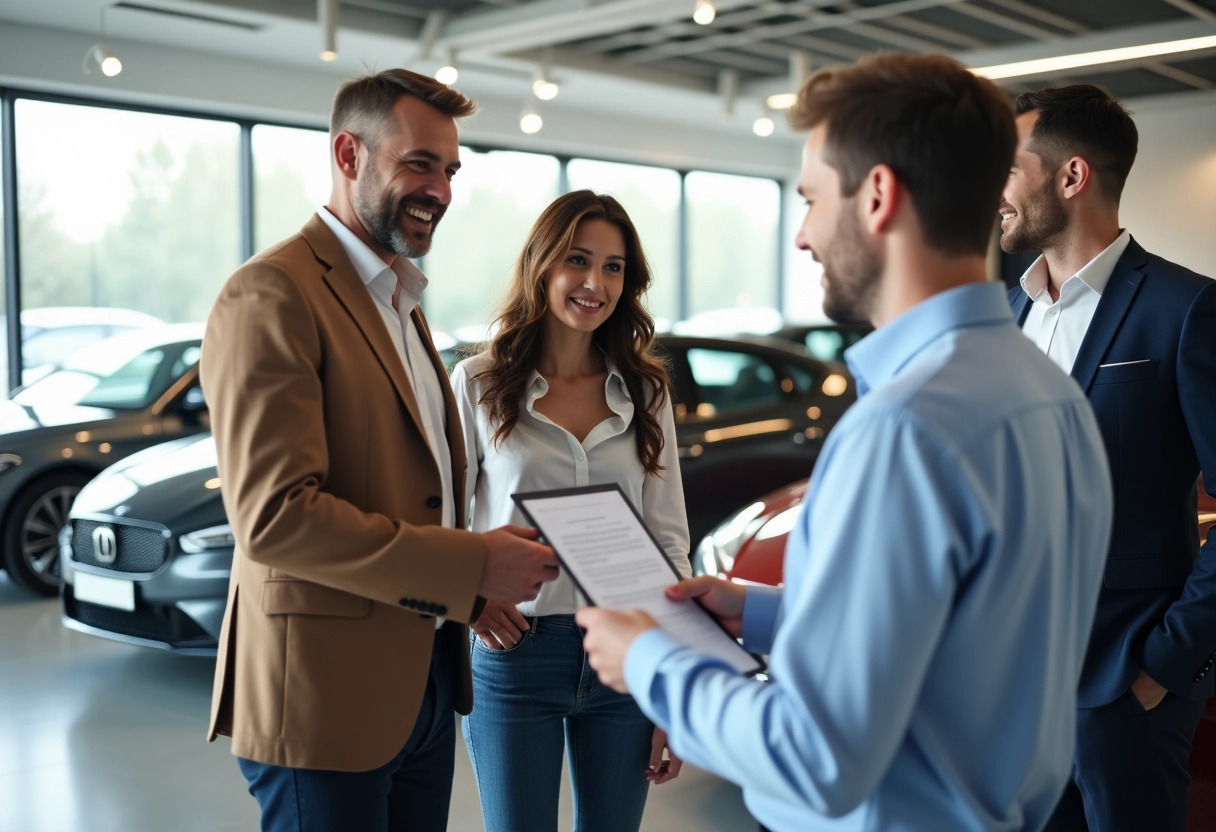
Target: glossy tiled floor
x: 97, y: 736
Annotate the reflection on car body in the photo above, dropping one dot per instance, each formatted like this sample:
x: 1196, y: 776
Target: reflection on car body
x: 109, y: 400
x: 750, y: 414
x: 51, y: 334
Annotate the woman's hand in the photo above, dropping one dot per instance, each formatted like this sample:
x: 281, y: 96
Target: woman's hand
x: 500, y: 625
x: 660, y: 770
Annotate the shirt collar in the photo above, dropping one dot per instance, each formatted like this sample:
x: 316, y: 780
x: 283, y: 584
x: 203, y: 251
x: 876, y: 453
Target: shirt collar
x: 881, y: 355
x: 614, y: 387
x: 368, y: 264
x: 1095, y: 274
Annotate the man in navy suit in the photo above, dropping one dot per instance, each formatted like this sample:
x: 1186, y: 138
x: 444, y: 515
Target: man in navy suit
x: 1138, y: 333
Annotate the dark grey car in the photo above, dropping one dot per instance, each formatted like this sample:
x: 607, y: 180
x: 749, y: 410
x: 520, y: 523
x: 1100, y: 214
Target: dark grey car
x: 147, y: 551
x: 116, y: 397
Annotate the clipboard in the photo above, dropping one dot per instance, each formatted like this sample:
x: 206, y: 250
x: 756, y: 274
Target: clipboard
x: 592, y: 529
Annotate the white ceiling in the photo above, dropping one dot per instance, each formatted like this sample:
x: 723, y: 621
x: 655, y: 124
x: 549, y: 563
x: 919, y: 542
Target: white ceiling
x: 621, y: 63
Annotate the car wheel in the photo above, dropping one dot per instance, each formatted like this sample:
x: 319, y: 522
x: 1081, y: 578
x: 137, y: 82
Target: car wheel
x: 31, y: 532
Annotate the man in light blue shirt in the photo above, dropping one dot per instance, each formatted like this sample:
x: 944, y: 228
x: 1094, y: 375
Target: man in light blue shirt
x: 941, y: 580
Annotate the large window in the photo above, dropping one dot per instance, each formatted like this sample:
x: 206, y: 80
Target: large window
x: 291, y: 180
x: 130, y: 210
x: 652, y: 198
x: 496, y: 197
x: 732, y: 250
x: 129, y: 218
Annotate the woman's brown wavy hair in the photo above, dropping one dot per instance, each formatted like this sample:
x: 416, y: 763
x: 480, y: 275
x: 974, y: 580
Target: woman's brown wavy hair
x: 627, y: 337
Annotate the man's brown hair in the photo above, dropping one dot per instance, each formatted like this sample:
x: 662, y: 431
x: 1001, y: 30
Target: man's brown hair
x: 363, y: 105
x: 947, y: 134
x: 1086, y: 121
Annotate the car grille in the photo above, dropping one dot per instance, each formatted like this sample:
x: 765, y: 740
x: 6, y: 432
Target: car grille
x: 139, y: 549
x: 161, y: 623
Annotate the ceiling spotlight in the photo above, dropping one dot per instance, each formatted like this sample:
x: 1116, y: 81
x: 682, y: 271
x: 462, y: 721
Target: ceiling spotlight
x: 544, y: 89
x: 104, y: 58
x: 763, y: 126
x: 703, y: 12
x: 448, y: 73
x: 781, y: 101
x: 530, y: 121
x: 327, y: 16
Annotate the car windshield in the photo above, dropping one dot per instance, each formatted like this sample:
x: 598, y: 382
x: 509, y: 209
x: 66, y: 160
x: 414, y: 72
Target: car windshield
x: 109, y: 374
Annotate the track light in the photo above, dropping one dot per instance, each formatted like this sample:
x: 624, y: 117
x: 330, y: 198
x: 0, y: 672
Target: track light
x: 703, y: 12
x: 530, y: 121
x: 448, y: 73
x: 100, y: 54
x: 544, y: 87
x: 104, y: 58
x: 327, y: 16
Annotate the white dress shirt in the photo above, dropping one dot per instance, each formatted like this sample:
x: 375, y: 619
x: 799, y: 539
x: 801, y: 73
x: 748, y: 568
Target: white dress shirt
x: 381, y: 282
x: 540, y: 455
x: 1058, y: 327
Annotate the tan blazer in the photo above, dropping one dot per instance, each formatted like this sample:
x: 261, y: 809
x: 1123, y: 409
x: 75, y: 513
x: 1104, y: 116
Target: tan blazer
x: 341, y: 564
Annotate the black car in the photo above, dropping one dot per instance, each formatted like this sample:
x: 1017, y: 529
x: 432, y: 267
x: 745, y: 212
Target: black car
x: 115, y: 397
x: 147, y: 550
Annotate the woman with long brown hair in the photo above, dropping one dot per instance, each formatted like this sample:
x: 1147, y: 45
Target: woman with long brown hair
x: 569, y: 393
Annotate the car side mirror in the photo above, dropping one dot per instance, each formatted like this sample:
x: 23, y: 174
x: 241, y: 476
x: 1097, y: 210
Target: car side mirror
x: 193, y: 401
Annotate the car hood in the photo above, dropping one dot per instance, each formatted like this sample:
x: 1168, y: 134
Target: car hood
x: 174, y: 484
x: 17, y: 417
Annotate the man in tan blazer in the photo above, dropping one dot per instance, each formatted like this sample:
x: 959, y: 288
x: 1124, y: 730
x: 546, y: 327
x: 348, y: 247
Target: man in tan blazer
x: 344, y: 650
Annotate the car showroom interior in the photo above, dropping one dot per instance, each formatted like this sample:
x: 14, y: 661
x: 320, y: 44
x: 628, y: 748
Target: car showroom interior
x: 149, y: 148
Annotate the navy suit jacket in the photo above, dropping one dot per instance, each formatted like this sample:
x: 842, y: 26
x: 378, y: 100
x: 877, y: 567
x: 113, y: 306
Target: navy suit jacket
x: 1148, y: 365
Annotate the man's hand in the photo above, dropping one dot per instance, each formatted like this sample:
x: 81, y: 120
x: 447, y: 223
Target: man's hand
x: 723, y: 598
x: 500, y: 625
x: 660, y: 770
x: 1147, y: 692
x: 609, y: 635
x: 516, y: 565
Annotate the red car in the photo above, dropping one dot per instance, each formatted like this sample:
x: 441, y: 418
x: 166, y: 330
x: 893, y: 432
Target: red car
x: 749, y: 547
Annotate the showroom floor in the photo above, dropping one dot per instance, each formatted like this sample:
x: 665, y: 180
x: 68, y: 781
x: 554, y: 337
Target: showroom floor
x: 97, y: 736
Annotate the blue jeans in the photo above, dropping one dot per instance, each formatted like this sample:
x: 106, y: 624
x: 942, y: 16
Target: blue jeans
x: 410, y: 793
x: 530, y: 698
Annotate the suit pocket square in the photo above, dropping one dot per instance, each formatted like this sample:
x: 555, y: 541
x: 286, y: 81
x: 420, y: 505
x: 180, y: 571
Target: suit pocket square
x: 1123, y: 371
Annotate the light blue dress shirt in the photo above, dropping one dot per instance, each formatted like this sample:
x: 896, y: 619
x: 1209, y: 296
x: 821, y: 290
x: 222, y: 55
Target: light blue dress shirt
x: 939, y: 590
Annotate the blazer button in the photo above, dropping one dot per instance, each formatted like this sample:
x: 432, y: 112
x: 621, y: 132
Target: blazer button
x: 433, y: 502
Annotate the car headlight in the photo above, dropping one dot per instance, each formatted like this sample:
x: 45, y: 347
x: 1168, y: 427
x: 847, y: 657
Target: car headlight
x: 207, y: 540
x: 716, y: 552
x: 8, y: 461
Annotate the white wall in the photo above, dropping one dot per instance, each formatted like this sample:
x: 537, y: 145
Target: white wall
x: 1169, y: 203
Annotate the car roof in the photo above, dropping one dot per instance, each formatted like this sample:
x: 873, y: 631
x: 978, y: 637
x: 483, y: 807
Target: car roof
x: 51, y: 316
x: 780, y: 345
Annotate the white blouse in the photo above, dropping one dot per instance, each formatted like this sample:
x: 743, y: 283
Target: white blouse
x: 538, y: 455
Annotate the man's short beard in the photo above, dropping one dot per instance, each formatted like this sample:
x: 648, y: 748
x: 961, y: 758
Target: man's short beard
x: 382, y: 220
x: 381, y: 213
x: 853, y: 271
x: 1041, y: 218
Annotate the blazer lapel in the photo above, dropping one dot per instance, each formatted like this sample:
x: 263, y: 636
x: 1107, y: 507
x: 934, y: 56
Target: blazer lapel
x: 1117, y: 298
x: 1019, y: 302
x: 354, y: 296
